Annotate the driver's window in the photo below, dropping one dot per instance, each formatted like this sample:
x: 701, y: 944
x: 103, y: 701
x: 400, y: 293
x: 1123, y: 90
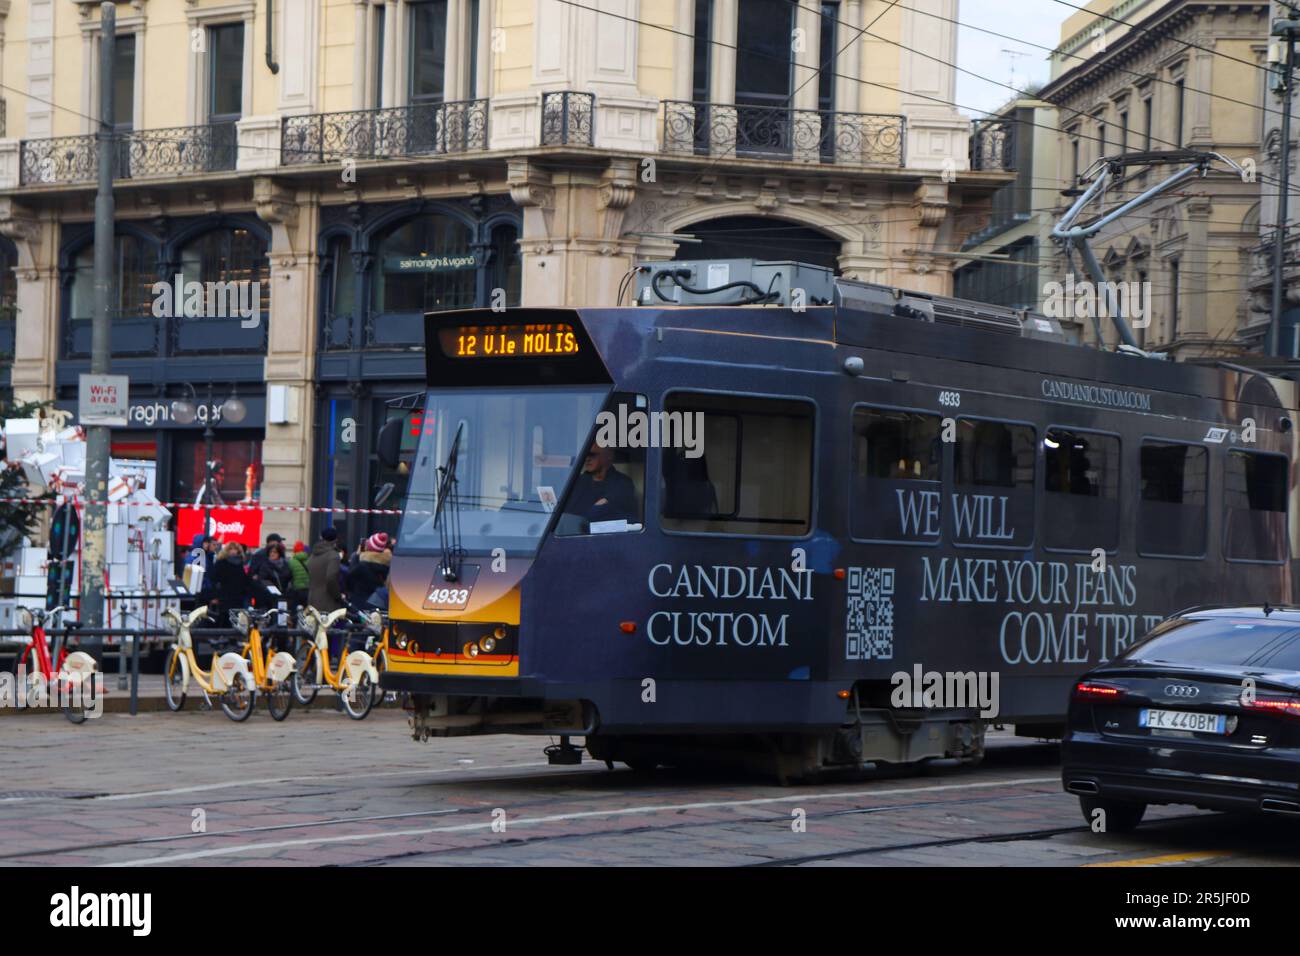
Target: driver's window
x: 608, y: 493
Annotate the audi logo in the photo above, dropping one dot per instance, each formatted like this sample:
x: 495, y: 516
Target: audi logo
x: 1181, y: 690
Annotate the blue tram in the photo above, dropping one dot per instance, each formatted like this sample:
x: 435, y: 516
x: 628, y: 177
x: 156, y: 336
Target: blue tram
x: 855, y: 533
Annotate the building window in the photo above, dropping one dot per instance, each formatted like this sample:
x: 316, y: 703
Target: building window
x: 427, y: 53
x: 1254, y: 495
x: 826, y: 57
x: 1141, y: 330
x: 701, y: 46
x: 229, y: 256
x: 377, y: 57
x: 124, y: 82
x: 764, y: 68
x: 755, y: 474
x: 506, y: 272
x: 225, y: 72
x: 1101, y: 137
x: 1178, y: 107
x: 1173, y: 299
x: 1123, y: 131
x: 897, y: 461
x: 136, y: 267
x: 1171, y: 512
x: 993, y: 476
x: 1074, y: 162
x: 425, y: 265
x: 1081, y: 481
x: 1146, y: 124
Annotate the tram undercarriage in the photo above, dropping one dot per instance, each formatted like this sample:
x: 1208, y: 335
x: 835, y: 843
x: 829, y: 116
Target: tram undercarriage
x: 872, y: 737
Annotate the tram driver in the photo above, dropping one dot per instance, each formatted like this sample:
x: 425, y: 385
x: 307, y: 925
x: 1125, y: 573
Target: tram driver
x: 602, y: 492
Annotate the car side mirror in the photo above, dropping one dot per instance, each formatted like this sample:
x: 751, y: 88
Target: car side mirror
x: 389, y: 445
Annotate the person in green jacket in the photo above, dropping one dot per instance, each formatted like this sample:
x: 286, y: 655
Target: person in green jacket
x: 301, y: 578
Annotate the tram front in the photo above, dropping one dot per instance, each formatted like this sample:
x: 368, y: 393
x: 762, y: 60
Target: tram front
x: 506, y: 427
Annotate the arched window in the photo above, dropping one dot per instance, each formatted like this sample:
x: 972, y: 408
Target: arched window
x: 340, y: 291
x: 757, y: 237
x: 425, y: 265
x: 228, y: 255
x: 136, y: 270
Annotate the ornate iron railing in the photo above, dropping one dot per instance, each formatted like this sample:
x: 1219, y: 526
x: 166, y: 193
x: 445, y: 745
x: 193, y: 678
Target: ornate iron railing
x: 568, y: 118
x: 993, y: 145
x: 212, y: 147
x: 773, y: 132
x: 431, y: 128
x: 180, y: 149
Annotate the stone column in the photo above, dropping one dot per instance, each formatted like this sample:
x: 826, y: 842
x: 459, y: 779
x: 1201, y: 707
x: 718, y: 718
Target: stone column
x: 937, y: 134
x: 36, y: 346
x: 1194, y: 272
x: 391, y: 27
x: 361, y: 46
x: 572, y: 245
x: 721, y: 116
x: 287, y: 452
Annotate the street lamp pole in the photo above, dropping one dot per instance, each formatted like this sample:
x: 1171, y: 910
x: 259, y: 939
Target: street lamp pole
x: 208, y: 436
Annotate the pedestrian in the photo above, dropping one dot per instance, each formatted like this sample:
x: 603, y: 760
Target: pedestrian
x: 256, y: 562
x: 324, y: 592
x: 232, y: 588
x: 369, y: 572
x: 273, y: 570
x: 300, y: 578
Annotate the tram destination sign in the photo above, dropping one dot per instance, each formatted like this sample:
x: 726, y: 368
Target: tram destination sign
x: 539, y: 340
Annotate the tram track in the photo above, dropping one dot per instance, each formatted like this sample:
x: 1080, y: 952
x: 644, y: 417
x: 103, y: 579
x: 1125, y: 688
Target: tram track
x: 581, y: 813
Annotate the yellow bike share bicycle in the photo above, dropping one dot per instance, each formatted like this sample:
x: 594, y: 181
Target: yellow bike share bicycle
x: 356, y: 681
x: 229, y: 676
x: 272, y: 670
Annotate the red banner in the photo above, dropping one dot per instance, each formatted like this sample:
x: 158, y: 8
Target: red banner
x: 227, y: 524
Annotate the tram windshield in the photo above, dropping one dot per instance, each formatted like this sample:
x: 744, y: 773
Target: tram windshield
x: 516, y: 451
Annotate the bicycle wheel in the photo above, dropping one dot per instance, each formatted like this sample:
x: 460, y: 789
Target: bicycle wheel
x: 237, y: 701
x: 306, y: 675
x: 173, y: 681
x: 75, y: 715
x: 279, y: 699
x: 360, y: 697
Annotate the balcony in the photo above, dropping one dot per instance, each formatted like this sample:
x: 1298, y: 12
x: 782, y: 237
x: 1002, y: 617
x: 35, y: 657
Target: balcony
x: 993, y: 145
x: 422, y: 130
x: 775, y: 132
x: 140, y: 154
x: 568, y: 118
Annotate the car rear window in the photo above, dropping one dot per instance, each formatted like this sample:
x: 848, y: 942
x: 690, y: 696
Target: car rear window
x: 1221, y: 640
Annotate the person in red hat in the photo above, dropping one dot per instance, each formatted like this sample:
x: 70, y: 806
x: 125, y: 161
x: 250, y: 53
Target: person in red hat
x: 369, y: 573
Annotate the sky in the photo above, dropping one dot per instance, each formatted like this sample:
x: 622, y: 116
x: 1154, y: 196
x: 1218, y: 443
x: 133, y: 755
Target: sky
x: 1038, y: 21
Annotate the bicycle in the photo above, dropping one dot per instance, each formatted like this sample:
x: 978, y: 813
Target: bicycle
x: 70, y: 670
x: 271, y: 669
x: 377, y: 648
x: 356, y: 680
x: 229, y: 675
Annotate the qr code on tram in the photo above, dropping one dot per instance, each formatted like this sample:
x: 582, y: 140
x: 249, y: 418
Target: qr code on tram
x: 869, y: 629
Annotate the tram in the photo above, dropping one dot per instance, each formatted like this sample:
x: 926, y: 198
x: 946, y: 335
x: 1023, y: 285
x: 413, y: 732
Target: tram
x: 680, y: 531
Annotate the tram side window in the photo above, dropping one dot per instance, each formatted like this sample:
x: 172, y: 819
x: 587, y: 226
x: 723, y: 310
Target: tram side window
x: 1171, y: 513
x: 897, y: 470
x: 608, y: 493
x: 1081, y: 480
x: 753, y: 471
x: 1254, y: 493
x: 993, y: 476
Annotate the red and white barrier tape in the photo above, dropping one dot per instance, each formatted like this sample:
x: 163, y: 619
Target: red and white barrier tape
x: 55, y: 502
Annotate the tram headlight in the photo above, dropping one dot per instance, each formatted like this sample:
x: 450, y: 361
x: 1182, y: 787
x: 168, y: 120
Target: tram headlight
x: 471, y: 649
x: 488, y: 645
x: 401, y: 639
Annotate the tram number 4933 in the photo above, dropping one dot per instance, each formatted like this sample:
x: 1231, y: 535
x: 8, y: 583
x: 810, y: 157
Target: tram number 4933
x: 950, y: 399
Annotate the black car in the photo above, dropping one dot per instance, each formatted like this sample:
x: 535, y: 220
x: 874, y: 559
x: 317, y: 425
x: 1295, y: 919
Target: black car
x: 1205, y: 710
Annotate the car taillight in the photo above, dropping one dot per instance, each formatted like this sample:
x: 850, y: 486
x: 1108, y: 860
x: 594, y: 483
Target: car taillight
x: 1096, y: 690
x: 1290, y: 706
